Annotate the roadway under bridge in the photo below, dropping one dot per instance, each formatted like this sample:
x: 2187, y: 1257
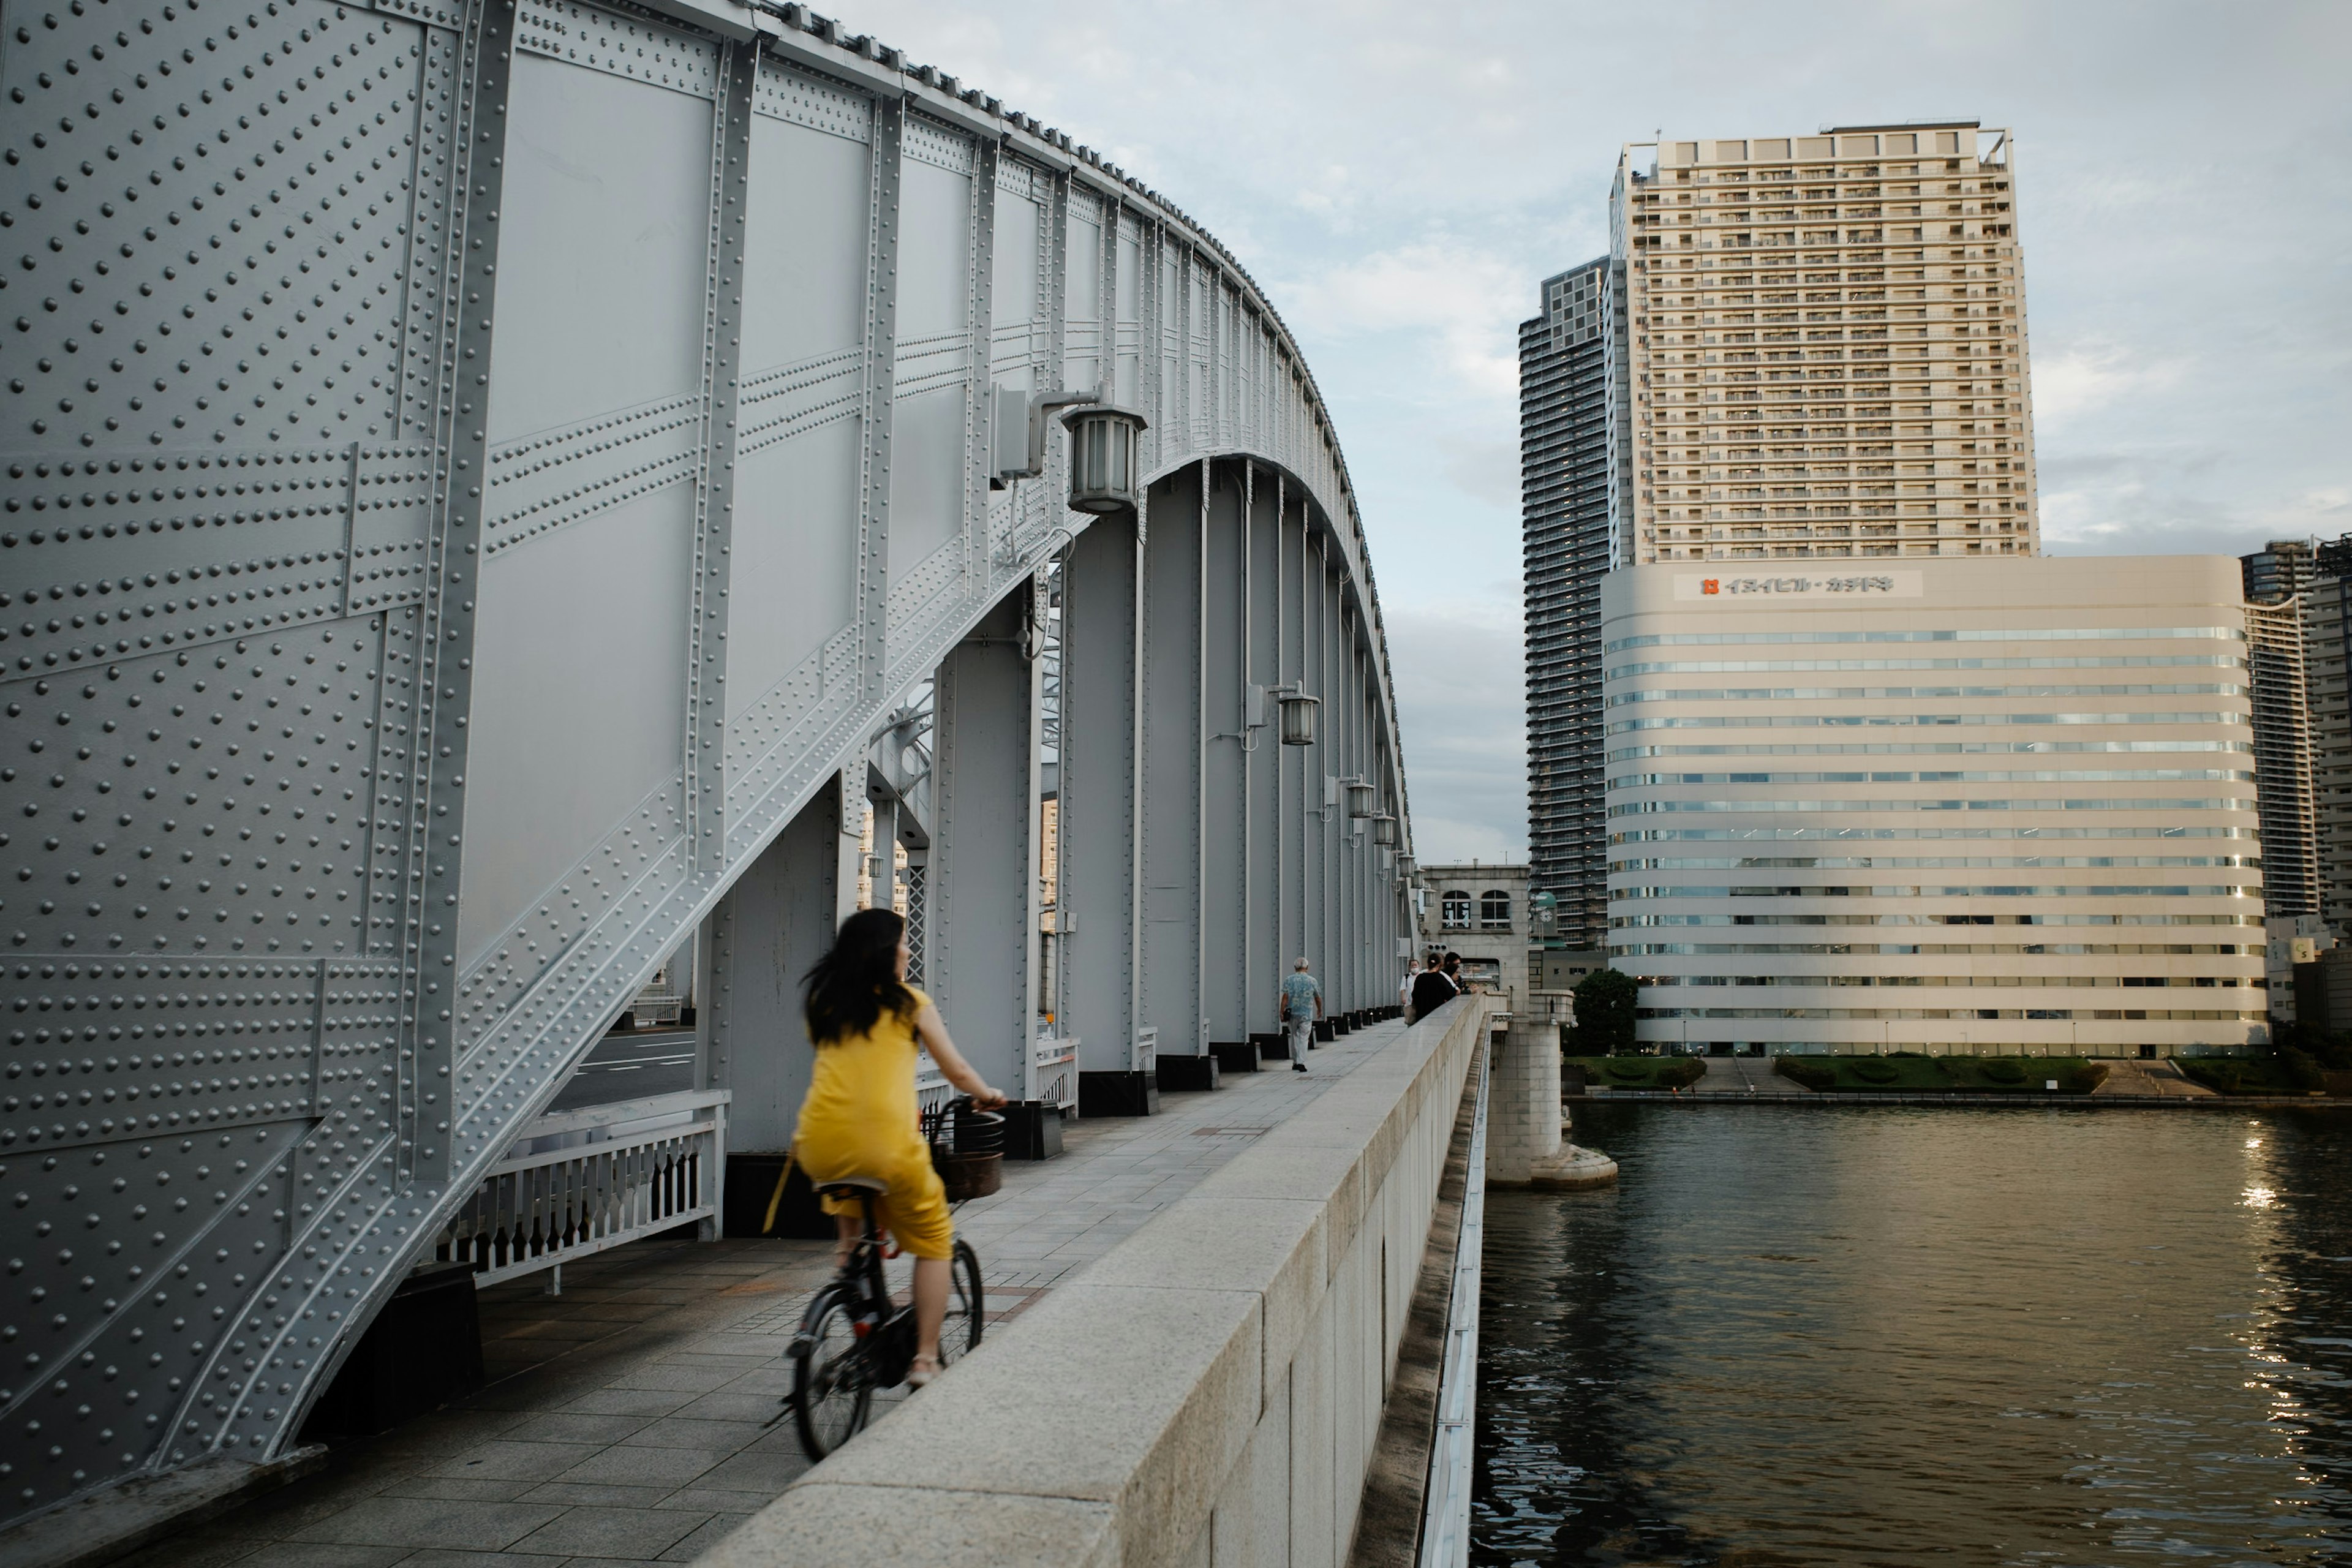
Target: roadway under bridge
x: 495, y: 492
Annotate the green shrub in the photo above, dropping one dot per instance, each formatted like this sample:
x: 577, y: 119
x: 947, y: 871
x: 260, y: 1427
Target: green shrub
x: 1871, y: 1069
x: 2002, y: 1070
x: 1681, y: 1072
x: 1812, y: 1075
x: 2221, y: 1074
x: 2300, y: 1070
x: 1626, y: 1069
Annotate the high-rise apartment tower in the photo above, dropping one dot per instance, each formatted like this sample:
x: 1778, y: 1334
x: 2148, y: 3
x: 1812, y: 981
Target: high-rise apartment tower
x: 2285, y: 779
x: 2327, y: 611
x: 1567, y: 417
x: 2280, y: 570
x: 1826, y: 352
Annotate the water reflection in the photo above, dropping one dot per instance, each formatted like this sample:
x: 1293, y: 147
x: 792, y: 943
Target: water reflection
x: 1887, y: 1336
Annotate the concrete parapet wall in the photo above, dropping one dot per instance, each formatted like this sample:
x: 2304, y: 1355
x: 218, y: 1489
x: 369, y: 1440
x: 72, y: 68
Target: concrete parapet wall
x: 1207, y: 1395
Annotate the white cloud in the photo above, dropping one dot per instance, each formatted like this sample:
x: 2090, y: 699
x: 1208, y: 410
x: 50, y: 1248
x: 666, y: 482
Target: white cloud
x: 1463, y: 303
x: 2088, y: 377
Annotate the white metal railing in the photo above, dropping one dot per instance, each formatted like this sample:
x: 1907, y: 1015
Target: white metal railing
x: 1054, y: 1070
x: 932, y: 1089
x: 1446, y: 1505
x: 577, y: 1182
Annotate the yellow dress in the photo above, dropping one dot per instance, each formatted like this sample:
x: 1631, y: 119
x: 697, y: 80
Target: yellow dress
x: 859, y: 1119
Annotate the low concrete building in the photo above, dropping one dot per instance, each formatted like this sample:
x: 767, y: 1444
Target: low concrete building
x: 1479, y: 910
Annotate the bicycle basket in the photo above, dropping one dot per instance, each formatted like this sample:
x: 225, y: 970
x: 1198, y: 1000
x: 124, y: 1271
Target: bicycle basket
x: 967, y: 1148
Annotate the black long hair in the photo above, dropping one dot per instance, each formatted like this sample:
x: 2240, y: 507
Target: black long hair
x: 849, y: 987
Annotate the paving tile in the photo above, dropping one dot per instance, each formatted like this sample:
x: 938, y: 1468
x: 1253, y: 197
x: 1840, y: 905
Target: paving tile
x: 500, y: 1460
x: 676, y: 1378
x: 421, y: 1521
x: 626, y: 1532
x: 687, y: 1432
x: 772, y: 1381
x: 646, y: 1402
x: 280, y: 1513
x: 597, y: 1494
x: 461, y: 1487
x: 575, y: 1426
x: 709, y: 1533
x: 727, y: 1404
x: 455, y: 1427
x: 710, y: 1500
x: 641, y: 1467
x: 767, y: 1473
x: 323, y: 1554
x: 442, y: 1557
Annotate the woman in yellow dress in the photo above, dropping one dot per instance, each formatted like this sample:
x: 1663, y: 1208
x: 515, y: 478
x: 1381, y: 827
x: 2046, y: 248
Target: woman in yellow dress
x: 859, y: 1118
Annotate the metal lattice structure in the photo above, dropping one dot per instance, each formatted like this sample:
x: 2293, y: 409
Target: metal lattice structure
x: 482, y: 475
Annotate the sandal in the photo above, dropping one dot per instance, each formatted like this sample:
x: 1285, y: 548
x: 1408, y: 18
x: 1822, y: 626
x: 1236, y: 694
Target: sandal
x: 922, y: 1370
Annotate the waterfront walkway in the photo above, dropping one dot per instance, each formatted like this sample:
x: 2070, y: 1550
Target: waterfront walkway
x: 622, y: 1421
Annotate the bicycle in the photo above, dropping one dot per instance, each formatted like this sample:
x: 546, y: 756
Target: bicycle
x: 853, y: 1340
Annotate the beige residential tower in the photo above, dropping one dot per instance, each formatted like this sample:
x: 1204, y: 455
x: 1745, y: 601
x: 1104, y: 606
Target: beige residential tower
x: 1825, y: 352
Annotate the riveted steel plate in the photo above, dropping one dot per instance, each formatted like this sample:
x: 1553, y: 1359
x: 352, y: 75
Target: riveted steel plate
x: 431, y: 432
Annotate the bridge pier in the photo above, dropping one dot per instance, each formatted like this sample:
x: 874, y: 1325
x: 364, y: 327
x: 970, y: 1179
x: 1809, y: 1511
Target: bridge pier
x: 777, y: 920
x: 982, y: 908
x: 1100, y: 846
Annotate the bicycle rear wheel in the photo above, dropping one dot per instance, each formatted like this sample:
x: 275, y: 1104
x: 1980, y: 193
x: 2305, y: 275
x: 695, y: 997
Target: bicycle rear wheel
x: 833, y: 1383
x: 960, y: 1334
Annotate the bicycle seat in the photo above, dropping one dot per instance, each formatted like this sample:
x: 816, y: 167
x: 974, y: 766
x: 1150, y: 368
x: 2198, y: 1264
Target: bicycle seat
x: 851, y: 1186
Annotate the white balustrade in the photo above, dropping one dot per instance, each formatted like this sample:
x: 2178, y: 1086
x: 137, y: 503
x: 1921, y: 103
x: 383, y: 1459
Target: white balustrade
x: 577, y: 1182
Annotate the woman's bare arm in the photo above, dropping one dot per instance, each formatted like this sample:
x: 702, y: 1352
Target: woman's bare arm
x: 951, y: 1062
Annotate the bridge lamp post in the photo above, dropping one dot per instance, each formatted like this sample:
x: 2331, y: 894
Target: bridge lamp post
x: 1384, y: 829
x: 1298, y: 715
x: 1102, y: 472
x: 1362, y: 801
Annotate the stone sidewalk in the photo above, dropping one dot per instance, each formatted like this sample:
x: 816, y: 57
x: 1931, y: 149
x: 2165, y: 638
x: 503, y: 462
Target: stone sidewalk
x: 624, y: 1421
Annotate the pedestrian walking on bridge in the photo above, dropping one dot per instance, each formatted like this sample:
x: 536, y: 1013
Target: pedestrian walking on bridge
x: 1302, y: 1005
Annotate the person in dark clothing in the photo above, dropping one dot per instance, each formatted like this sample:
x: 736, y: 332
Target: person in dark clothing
x: 1432, y: 990
x: 1454, y: 972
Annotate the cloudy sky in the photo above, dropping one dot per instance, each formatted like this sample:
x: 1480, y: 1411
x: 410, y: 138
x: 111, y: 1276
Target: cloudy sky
x: 1399, y: 177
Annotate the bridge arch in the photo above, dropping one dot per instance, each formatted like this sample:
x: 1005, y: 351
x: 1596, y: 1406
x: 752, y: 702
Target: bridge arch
x: 484, y: 478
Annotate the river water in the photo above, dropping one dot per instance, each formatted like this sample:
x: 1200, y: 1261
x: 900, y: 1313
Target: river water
x: 1802, y: 1336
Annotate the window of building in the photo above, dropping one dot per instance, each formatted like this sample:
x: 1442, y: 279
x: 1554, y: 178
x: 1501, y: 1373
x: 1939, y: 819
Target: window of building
x: 1454, y: 911
x: 1494, y: 909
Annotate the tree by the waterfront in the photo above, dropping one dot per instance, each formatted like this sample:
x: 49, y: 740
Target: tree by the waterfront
x: 1605, y: 1000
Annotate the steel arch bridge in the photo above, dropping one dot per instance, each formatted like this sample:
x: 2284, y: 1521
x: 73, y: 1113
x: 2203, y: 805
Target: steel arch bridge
x: 494, y: 488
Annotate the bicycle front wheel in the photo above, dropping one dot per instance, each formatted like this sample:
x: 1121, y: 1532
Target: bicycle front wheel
x: 960, y: 1334
x: 833, y: 1383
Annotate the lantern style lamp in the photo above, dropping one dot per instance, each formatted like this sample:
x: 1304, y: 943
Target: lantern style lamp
x: 1103, y: 473
x: 1361, y: 800
x: 1384, y: 829
x: 1298, y: 717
